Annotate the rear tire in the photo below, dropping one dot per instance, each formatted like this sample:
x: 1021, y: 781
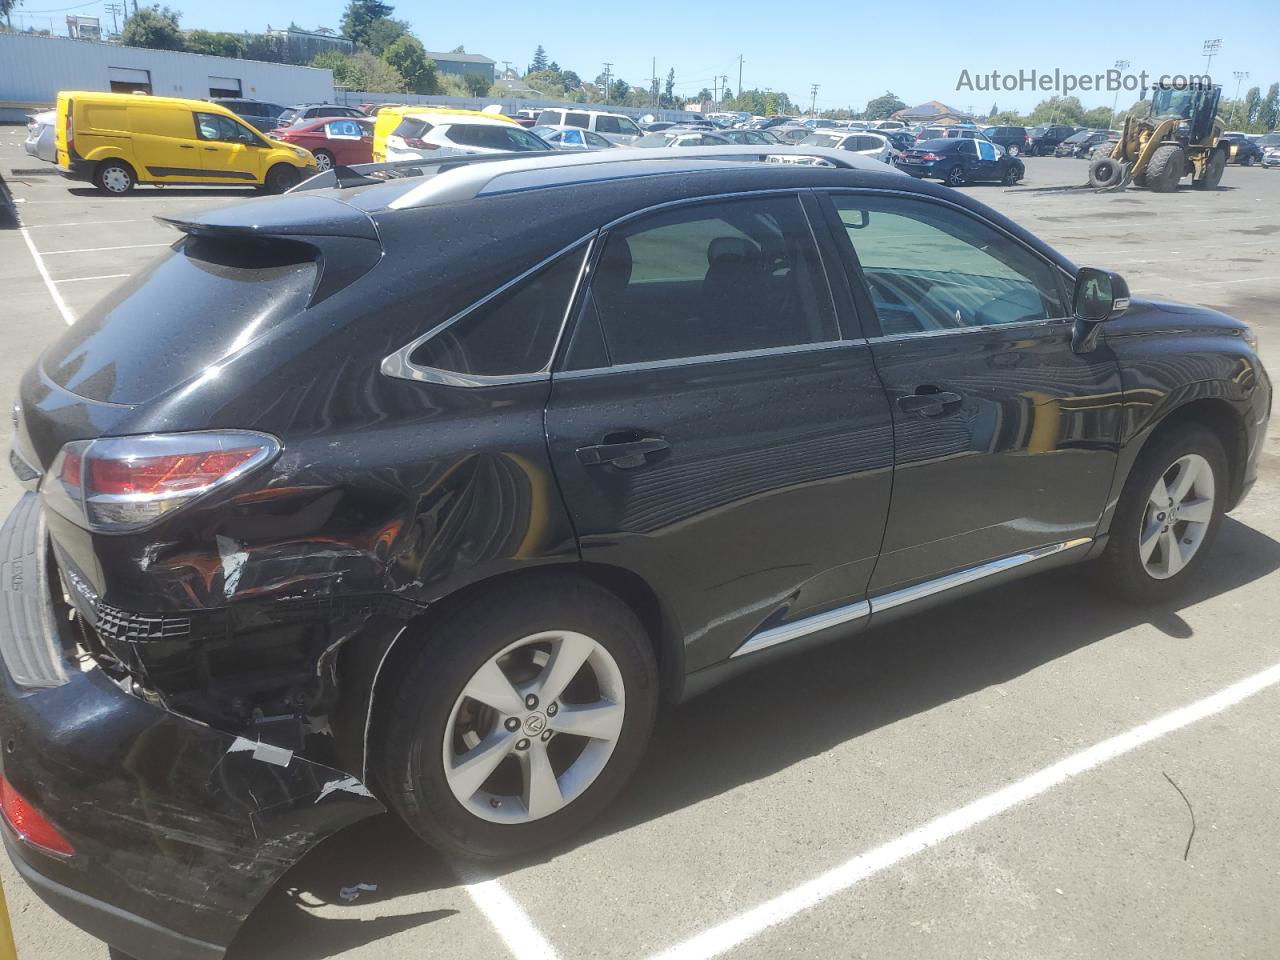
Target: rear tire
x: 280, y: 178
x: 114, y: 177
x: 1013, y: 150
x: 955, y: 176
x: 1140, y: 519
x: 1168, y: 165
x: 432, y: 721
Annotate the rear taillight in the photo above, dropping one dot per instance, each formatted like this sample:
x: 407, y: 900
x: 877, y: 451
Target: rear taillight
x: 117, y: 484
x: 417, y: 143
x: 29, y: 824
x: 71, y: 128
x: 929, y: 157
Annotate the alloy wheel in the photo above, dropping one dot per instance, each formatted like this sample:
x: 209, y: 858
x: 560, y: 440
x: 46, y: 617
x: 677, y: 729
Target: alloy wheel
x: 534, y: 727
x: 1176, y: 520
x: 323, y: 161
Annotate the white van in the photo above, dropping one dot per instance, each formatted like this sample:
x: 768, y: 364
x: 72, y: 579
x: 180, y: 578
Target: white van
x: 614, y: 127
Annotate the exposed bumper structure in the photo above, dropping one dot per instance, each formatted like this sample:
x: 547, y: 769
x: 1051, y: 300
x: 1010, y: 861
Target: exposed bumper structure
x: 179, y: 829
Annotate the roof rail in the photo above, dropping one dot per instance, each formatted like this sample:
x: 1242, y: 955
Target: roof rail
x: 343, y: 176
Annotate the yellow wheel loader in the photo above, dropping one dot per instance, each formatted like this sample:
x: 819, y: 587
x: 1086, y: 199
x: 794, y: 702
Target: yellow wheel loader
x: 1181, y: 134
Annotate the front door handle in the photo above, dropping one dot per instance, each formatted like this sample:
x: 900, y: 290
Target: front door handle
x: 186, y: 146
x: 212, y: 149
x: 622, y: 453
x: 928, y: 401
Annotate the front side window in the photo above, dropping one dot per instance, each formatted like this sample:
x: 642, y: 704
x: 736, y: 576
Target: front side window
x: 595, y: 140
x: 713, y: 278
x: 607, y: 125
x: 213, y: 126
x: 513, y: 333
x: 343, y: 130
x: 929, y: 267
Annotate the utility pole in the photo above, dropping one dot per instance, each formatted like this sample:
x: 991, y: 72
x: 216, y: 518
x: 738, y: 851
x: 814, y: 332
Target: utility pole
x: 813, y: 99
x: 739, y: 74
x: 1241, y: 76
x: 1115, y: 103
x: 653, y: 83
x: 1211, y: 47
x: 607, y: 68
x: 113, y: 9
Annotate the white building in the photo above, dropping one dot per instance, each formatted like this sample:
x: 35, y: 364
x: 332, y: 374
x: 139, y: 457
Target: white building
x: 34, y: 68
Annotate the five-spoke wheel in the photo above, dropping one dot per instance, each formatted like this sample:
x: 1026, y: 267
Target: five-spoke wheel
x: 1179, y: 511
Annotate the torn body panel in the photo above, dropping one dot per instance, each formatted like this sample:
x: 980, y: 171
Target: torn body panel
x: 178, y: 828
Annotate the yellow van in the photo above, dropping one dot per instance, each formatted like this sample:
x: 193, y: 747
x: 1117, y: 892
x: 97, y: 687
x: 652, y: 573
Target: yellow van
x: 115, y: 140
x: 388, y: 118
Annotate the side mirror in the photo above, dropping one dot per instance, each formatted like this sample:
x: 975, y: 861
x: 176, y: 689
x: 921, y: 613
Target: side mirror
x: 1099, y: 296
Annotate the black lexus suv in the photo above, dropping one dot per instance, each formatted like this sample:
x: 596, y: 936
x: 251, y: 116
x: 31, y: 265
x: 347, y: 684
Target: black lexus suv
x: 422, y: 494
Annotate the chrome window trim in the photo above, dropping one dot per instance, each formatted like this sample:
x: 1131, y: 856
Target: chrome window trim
x: 773, y: 636
x: 708, y: 358
x: 399, y: 365
x: 985, y: 328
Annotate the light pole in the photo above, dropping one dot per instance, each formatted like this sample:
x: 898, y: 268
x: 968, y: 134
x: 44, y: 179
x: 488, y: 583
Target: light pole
x: 1120, y: 65
x: 1211, y: 47
x: 1241, y: 76
x: 813, y: 99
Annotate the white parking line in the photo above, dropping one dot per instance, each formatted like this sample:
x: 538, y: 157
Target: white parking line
x: 81, y: 223
x: 736, y: 930
x: 61, y: 304
x: 101, y: 276
x: 515, y: 928
x: 123, y: 246
x: 1210, y: 283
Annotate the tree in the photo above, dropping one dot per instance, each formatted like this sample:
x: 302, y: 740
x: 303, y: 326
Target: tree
x: 1059, y: 110
x: 360, y: 71
x: 994, y: 110
x: 703, y: 94
x: 570, y: 80
x: 1099, y: 118
x: 410, y: 60
x: 884, y: 106
x: 539, y: 60
x: 669, y: 92
x: 1269, y: 111
x: 155, y: 27
x: 459, y: 49
x: 6, y: 7
x: 726, y: 95
x: 618, y: 90
x: 382, y: 33
x: 260, y: 46
x: 215, y: 44
x: 360, y: 14
x: 1252, y: 100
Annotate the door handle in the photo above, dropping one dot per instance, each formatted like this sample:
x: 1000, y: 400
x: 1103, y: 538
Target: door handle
x: 186, y: 146
x: 928, y: 401
x: 212, y: 149
x: 624, y: 454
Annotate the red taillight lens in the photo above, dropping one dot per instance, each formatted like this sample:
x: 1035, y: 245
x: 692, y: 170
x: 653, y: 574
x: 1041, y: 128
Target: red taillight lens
x: 930, y: 157
x: 417, y: 143
x: 28, y: 823
x: 116, y: 484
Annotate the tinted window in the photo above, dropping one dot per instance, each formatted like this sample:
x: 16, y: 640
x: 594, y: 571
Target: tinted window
x: 494, y: 137
x: 577, y: 120
x: 929, y: 267
x: 510, y: 334
x: 550, y: 118
x: 608, y: 125
x: 595, y: 140
x: 212, y: 126
x: 713, y: 278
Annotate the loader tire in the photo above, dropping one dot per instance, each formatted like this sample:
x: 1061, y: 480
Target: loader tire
x: 1167, y: 166
x: 1105, y: 172
x: 1213, y: 168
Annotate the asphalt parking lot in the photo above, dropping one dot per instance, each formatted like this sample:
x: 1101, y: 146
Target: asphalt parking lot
x: 1003, y: 777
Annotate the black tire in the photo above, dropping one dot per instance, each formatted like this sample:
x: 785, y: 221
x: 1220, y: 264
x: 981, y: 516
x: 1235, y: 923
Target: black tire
x: 407, y: 755
x: 280, y: 178
x: 1105, y: 172
x: 955, y: 176
x: 324, y: 160
x: 114, y: 177
x: 1013, y: 150
x: 1213, y: 170
x: 1011, y: 176
x: 1120, y: 564
x: 1168, y: 165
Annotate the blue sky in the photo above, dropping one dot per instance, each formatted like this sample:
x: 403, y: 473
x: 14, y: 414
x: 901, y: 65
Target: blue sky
x: 854, y: 52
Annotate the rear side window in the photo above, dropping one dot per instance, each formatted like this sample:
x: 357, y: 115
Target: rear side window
x: 550, y: 118
x: 713, y: 278
x: 513, y: 332
x: 493, y: 137
x: 582, y: 120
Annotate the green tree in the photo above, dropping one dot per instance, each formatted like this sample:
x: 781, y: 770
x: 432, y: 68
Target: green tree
x: 1099, y: 118
x: 539, y: 61
x: 155, y: 27
x: 725, y: 95
x: 459, y: 49
x: 6, y: 7
x: 1252, y: 101
x: 703, y: 94
x: 259, y: 46
x: 884, y: 106
x: 215, y: 44
x: 410, y: 60
x: 570, y: 80
x: 618, y: 90
x: 360, y: 14
x: 1269, y: 111
x: 994, y: 110
x: 361, y: 71
x: 1059, y: 110
x: 668, y: 92
x: 477, y: 84
x: 382, y: 33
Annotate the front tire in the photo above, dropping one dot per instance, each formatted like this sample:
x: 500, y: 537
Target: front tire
x: 955, y: 176
x: 114, y: 177
x: 1168, y: 515
x: 1213, y: 170
x: 1168, y: 165
x: 1013, y: 150
x: 519, y: 720
x: 281, y: 177
x: 324, y: 160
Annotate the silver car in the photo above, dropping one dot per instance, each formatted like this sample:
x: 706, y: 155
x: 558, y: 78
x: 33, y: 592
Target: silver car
x: 41, y: 128
x: 571, y: 138
x: 865, y: 142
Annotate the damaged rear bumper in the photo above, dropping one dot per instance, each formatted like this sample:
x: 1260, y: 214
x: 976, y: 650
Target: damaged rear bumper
x: 179, y: 829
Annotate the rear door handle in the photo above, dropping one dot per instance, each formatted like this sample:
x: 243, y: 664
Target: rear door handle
x: 928, y: 402
x: 622, y: 453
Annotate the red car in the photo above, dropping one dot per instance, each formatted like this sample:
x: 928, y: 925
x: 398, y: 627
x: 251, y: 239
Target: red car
x: 344, y: 140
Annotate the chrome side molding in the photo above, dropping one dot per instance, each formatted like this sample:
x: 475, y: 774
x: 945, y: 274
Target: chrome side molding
x: 887, y: 601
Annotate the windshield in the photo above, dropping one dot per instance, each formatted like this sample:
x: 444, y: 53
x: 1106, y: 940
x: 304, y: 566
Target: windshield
x: 820, y: 140
x: 1168, y: 102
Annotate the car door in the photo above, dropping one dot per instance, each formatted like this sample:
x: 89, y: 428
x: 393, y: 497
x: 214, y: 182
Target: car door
x: 1006, y: 438
x: 988, y: 160
x: 714, y: 432
x: 229, y: 151
x: 345, y: 139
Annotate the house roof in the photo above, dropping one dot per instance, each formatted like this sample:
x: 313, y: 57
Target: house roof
x: 459, y: 57
x: 933, y: 108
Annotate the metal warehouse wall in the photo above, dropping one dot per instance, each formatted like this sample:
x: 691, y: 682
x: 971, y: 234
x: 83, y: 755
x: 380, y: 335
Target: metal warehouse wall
x: 33, y: 69
x: 509, y: 104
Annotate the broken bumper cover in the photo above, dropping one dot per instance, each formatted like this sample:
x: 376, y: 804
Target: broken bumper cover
x: 178, y: 829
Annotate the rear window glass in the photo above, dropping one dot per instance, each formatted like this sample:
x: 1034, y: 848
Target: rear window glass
x: 512, y: 333
x: 409, y: 128
x: 195, y: 307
